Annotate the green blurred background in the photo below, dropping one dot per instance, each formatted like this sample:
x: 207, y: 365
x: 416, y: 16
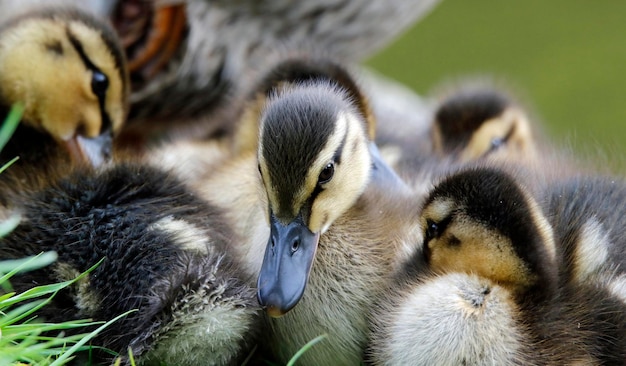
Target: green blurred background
x: 565, y: 58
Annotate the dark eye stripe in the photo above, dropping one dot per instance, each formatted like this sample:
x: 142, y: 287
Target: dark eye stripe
x: 99, y: 82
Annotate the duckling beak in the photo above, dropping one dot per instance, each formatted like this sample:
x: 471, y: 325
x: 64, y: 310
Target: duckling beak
x: 286, y: 266
x: 93, y: 151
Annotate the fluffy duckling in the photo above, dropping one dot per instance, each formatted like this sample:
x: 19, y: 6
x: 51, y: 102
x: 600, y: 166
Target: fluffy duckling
x: 338, y: 216
x: 477, y: 120
x: 166, y: 253
x: 486, y: 288
x: 473, y: 121
x: 68, y: 70
x: 321, y: 209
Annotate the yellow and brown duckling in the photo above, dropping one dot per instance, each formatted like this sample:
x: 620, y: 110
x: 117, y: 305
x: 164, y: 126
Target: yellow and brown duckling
x: 472, y: 121
x: 167, y: 251
x: 167, y: 254
x: 338, y: 216
x: 478, y: 120
x: 68, y: 71
x: 486, y: 288
x: 321, y: 208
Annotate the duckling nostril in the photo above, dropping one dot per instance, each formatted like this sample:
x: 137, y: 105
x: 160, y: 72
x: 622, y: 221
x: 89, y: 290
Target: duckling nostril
x: 295, y: 245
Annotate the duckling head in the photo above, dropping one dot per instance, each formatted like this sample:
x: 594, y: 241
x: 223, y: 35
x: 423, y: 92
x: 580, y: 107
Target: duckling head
x: 314, y: 160
x: 480, y: 221
x: 477, y: 121
x: 68, y: 71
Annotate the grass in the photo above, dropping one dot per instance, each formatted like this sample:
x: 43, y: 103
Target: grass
x: 305, y: 348
x: 23, y: 338
x: 6, y: 131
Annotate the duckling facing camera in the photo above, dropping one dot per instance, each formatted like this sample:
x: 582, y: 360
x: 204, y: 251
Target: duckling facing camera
x: 166, y: 254
x: 68, y: 70
x: 338, y: 217
x: 487, y: 287
x: 318, y: 204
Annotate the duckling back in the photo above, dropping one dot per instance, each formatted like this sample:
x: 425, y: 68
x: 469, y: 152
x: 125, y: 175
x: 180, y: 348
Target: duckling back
x: 588, y: 217
x: 166, y: 253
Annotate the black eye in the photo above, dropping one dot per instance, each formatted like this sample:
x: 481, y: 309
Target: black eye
x: 436, y: 229
x: 432, y: 230
x: 327, y: 174
x: 99, y: 84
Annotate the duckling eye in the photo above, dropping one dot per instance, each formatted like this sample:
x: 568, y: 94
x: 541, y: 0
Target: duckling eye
x: 99, y: 83
x: 327, y: 174
x: 436, y: 229
x: 496, y: 142
x: 432, y: 230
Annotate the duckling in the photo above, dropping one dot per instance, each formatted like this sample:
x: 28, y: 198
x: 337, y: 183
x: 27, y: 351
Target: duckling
x: 486, y: 287
x: 68, y: 70
x: 473, y: 121
x: 477, y: 120
x: 166, y: 254
x: 311, y: 114
x: 334, y: 216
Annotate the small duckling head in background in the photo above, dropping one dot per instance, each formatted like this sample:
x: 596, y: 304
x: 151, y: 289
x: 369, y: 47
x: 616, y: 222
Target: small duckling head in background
x: 68, y: 70
x: 315, y: 161
x: 481, y: 221
x: 476, y: 121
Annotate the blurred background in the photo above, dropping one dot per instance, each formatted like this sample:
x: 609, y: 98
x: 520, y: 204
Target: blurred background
x: 565, y: 59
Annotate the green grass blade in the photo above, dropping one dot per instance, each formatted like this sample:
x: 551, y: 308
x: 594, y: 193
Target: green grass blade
x: 306, y: 347
x: 18, y: 313
x: 10, y: 123
x: 20, y: 265
x: 13, y: 266
x: 9, y: 163
x: 45, y: 289
x: 76, y: 347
